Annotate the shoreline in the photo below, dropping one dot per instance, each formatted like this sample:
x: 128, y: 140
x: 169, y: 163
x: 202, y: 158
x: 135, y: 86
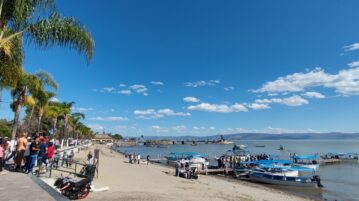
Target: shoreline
x: 156, y: 182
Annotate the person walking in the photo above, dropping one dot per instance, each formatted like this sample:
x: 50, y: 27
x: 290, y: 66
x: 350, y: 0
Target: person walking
x: 34, y: 151
x: 148, y: 159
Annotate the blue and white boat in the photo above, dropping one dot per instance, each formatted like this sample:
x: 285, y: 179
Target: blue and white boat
x: 310, y: 161
x: 284, y: 176
x: 194, y: 159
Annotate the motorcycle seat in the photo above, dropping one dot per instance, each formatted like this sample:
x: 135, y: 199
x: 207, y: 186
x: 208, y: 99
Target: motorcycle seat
x: 82, y: 182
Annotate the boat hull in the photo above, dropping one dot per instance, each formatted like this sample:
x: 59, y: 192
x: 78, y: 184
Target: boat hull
x: 282, y: 181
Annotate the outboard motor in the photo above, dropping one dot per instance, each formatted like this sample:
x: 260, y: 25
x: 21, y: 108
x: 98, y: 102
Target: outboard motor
x: 317, y: 179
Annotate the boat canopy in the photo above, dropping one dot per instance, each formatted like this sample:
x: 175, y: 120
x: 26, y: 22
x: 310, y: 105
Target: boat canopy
x: 267, y: 162
x: 309, y: 157
x: 287, y: 168
x: 188, y: 154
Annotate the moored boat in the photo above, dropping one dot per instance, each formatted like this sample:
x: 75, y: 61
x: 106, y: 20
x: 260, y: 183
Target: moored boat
x: 277, y: 176
x: 269, y: 178
x: 310, y: 161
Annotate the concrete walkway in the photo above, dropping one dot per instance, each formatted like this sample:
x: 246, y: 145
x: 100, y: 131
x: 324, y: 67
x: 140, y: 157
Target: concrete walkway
x: 21, y: 187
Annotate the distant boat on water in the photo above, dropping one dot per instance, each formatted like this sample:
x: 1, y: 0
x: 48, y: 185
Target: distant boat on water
x: 260, y: 146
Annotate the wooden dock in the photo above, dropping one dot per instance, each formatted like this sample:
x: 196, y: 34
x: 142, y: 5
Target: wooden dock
x: 329, y: 161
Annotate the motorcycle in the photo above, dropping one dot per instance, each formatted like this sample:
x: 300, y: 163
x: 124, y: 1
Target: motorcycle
x: 73, y: 189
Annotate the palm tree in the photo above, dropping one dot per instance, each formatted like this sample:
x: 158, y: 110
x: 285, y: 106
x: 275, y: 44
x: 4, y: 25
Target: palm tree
x: 43, y: 97
x: 43, y: 100
x: 38, y: 21
x: 66, y: 108
x: 26, y: 85
x: 75, y: 121
x: 30, y: 104
x: 53, y: 112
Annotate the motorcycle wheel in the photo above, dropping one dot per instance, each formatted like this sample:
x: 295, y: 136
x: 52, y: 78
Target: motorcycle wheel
x: 85, y: 193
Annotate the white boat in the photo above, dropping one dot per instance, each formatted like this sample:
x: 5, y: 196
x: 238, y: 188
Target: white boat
x: 262, y: 175
x: 311, y: 162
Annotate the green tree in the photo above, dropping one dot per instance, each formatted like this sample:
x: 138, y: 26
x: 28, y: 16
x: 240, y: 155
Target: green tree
x: 5, y: 129
x: 117, y: 136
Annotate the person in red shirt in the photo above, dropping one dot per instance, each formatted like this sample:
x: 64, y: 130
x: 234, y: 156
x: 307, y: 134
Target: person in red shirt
x: 50, y: 151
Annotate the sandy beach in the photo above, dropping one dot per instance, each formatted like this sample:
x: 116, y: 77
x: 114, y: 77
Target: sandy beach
x: 156, y: 182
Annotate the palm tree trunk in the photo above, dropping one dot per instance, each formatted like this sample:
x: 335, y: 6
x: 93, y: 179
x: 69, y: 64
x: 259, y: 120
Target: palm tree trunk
x: 28, y: 121
x: 15, y: 124
x: 19, y: 103
x: 40, y: 118
x: 54, y: 121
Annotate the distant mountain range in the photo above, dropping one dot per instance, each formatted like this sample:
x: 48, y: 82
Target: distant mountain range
x: 262, y: 136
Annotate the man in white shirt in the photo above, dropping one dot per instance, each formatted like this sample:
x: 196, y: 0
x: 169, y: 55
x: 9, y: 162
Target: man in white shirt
x: 138, y: 158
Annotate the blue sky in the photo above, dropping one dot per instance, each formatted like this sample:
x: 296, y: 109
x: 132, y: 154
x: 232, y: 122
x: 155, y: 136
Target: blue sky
x: 208, y: 67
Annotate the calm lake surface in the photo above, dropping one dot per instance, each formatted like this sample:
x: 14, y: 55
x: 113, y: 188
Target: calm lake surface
x: 341, y: 181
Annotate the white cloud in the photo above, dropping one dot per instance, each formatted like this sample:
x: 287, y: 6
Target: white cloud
x: 294, y: 100
x: 54, y: 99
x: 222, y: 108
x: 157, y: 83
x: 159, y: 129
x: 212, y: 128
x: 122, y: 85
x: 126, y: 92
x: 345, y: 82
x: 353, y: 64
x: 108, y: 89
x: 109, y: 118
x: 96, y: 127
x: 351, y: 47
x: 201, y: 83
x: 312, y: 94
x: 153, y: 114
x: 83, y: 109
x: 230, y: 88
x: 179, y: 129
x: 191, y: 99
x: 258, y: 106
x: 140, y: 89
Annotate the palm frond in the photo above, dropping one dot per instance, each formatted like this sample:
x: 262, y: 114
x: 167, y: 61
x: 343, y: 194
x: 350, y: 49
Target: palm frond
x: 61, y: 31
x: 46, y: 79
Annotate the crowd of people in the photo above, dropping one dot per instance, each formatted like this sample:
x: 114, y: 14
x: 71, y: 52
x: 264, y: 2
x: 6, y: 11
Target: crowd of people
x: 28, y: 152
x: 235, y: 161
x: 136, y: 158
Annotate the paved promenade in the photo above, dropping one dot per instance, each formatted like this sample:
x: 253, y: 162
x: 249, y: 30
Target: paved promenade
x: 21, y: 187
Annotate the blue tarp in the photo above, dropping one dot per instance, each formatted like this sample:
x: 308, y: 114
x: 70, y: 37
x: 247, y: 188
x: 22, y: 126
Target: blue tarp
x: 267, y: 162
x: 306, y: 157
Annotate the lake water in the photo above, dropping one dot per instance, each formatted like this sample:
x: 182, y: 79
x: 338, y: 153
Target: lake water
x: 341, y: 181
